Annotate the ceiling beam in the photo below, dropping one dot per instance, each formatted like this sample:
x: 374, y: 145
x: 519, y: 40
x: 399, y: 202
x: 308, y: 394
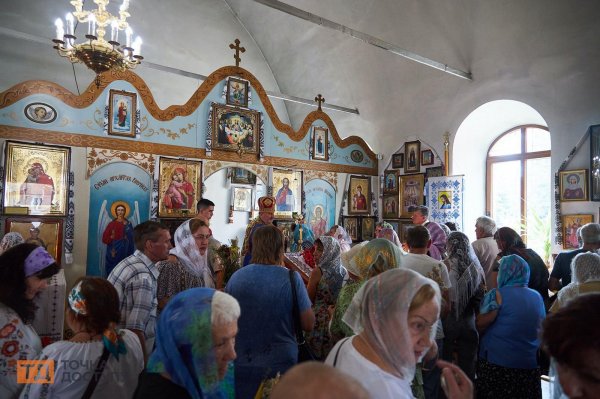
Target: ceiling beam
x: 365, y: 37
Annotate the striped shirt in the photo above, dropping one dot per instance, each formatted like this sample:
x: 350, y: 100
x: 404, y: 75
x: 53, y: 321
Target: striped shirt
x: 135, y: 279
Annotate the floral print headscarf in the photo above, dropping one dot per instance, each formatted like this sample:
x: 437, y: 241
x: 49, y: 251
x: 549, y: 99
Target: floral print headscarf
x: 330, y: 263
x: 184, y: 347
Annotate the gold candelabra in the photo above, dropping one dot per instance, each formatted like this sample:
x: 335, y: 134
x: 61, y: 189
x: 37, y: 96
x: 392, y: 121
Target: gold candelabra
x: 97, y: 53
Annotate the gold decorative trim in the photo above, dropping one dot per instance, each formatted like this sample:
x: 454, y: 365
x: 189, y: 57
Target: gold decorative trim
x: 83, y: 140
x: 262, y: 171
x: 27, y: 88
x: 98, y: 157
x: 329, y: 177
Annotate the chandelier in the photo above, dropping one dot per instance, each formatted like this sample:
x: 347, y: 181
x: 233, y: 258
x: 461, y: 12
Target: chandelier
x: 96, y: 52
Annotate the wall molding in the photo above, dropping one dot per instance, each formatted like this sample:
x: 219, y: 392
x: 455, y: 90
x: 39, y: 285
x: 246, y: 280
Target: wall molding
x: 83, y: 140
x: 91, y: 94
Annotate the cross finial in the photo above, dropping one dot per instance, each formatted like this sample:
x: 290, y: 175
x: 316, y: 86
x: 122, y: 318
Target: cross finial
x: 238, y: 50
x: 320, y: 100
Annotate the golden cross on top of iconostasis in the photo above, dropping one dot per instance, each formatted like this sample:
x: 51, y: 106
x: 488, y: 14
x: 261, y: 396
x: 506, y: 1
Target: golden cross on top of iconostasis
x: 320, y: 100
x: 238, y: 50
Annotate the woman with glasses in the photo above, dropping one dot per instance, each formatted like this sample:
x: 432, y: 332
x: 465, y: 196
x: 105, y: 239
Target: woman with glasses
x: 192, y: 263
x: 394, y: 317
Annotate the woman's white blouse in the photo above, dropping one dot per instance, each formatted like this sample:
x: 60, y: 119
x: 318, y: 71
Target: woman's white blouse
x: 378, y: 383
x: 75, y: 363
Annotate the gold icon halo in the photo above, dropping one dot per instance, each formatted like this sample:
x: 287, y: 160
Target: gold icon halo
x: 113, y: 208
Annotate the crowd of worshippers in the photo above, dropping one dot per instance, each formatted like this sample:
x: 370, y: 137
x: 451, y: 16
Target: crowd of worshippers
x: 436, y: 316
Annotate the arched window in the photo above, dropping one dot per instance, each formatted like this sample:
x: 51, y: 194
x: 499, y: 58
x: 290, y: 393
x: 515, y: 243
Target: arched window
x: 518, y: 189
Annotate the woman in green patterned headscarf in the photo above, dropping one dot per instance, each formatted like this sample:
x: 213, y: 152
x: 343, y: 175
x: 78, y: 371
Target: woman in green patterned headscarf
x: 375, y: 257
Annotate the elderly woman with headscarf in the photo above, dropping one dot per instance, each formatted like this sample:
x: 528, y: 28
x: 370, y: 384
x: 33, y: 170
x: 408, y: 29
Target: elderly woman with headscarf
x: 394, y: 316
x: 380, y: 226
x: 510, y: 320
x: 192, y: 263
x: 195, y: 347
x: 10, y: 240
x: 342, y: 236
x: 467, y: 289
x: 324, y: 286
x: 375, y: 257
x: 585, y: 272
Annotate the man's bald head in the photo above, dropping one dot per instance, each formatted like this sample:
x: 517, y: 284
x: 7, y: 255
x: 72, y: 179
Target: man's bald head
x: 318, y: 381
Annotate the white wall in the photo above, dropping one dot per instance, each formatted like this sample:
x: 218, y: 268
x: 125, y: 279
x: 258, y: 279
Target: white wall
x: 218, y: 190
x: 470, y: 146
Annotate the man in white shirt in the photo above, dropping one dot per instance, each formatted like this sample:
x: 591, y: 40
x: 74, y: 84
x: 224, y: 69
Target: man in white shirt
x: 486, y: 249
x: 419, y: 243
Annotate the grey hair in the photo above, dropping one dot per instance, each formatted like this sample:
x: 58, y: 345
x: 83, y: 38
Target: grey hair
x: 224, y: 309
x: 487, y: 224
x: 422, y: 209
x: 590, y: 233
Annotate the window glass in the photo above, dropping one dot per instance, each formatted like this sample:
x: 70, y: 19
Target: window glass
x: 537, y: 139
x: 509, y: 144
x: 506, y: 194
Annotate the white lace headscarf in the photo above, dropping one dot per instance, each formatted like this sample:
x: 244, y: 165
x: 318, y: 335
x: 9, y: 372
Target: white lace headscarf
x: 186, y: 250
x: 380, y: 310
x: 330, y: 263
x: 10, y: 240
x: 585, y: 267
x: 466, y: 273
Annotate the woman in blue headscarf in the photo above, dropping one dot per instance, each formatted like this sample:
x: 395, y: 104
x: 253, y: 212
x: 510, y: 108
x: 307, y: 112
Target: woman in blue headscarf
x: 510, y: 320
x: 195, y: 347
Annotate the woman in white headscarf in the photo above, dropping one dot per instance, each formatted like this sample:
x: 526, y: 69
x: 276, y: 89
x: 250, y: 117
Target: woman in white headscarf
x: 391, y: 235
x: 394, y: 316
x: 342, y: 236
x: 191, y: 263
x: 585, y: 269
x: 466, y: 293
x: 10, y: 240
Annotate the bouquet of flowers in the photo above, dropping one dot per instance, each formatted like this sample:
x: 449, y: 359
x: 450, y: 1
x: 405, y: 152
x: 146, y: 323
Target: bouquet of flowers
x: 308, y: 257
x: 230, y: 258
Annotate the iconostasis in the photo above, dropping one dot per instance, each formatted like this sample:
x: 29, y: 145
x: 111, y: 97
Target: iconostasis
x: 80, y: 171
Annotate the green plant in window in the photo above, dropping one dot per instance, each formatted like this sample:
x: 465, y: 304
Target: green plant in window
x: 540, y: 230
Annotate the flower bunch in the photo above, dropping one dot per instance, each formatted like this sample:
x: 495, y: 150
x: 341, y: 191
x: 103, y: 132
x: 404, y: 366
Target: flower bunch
x: 308, y: 257
x: 230, y: 258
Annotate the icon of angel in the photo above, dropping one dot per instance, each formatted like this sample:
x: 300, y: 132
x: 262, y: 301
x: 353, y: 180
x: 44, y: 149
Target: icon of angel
x: 116, y: 229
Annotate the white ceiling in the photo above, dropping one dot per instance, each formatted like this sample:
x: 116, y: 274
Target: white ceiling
x: 543, y: 53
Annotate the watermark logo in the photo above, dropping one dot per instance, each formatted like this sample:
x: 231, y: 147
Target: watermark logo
x: 35, y: 371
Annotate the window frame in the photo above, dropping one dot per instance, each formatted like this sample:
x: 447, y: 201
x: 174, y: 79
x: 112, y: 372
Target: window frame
x: 523, y: 156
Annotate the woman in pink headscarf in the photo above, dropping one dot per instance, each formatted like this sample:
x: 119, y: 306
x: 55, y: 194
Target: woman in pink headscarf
x: 341, y: 235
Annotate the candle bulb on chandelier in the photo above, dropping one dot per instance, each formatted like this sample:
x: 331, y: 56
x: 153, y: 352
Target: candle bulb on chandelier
x: 128, y: 33
x: 137, y: 46
x: 92, y: 25
x: 114, y: 32
x: 70, y: 24
x: 60, y: 31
